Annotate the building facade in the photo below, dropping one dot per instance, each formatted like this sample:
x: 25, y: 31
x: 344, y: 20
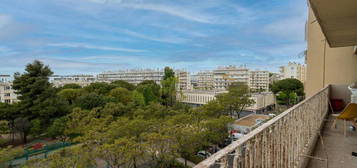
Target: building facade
x: 294, y: 70
x: 198, y: 97
x: 225, y: 76
x: 184, y: 80
x: 82, y: 80
x: 134, y: 76
x: 7, y: 94
x: 259, y: 80
x: 203, y: 80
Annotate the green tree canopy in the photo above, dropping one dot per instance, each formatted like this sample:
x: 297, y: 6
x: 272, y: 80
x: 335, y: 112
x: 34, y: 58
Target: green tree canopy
x: 236, y: 100
x: 124, y: 84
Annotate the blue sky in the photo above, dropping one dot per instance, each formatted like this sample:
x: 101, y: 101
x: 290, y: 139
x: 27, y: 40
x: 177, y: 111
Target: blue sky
x: 91, y: 36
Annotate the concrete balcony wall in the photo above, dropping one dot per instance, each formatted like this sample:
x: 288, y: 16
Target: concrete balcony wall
x: 284, y: 141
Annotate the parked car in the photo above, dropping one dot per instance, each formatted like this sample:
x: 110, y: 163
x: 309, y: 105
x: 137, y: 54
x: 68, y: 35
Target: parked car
x: 203, y: 154
x: 236, y: 136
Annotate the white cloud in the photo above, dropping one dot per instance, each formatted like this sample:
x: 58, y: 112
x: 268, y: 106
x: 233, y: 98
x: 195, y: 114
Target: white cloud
x: 173, y: 11
x: 176, y: 40
x: 87, y: 46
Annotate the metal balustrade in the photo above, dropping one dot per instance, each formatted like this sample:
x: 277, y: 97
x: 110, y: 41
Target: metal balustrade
x: 282, y: 142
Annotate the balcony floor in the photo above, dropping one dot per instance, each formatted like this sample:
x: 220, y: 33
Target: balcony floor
x: 338, y: 147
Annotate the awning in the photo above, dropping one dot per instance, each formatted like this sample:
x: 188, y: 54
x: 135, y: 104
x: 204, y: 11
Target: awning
x: 338, y: 20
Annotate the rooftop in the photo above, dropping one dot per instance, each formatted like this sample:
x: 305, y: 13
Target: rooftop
x: 250, y: 120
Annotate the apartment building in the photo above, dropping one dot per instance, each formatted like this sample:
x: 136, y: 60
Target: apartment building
x: 184, y: 80
x: 259, y: 80
x: 7, y: 94
x: 82, y: 80
x: 226, y: 75
x: 294, y: 70
x: 198, y: 97
x: 203, y: 80
x: 133, y: 76
x: 136, y: 76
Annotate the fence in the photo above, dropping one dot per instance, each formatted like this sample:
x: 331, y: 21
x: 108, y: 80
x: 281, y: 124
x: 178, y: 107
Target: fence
x: 281, y: 142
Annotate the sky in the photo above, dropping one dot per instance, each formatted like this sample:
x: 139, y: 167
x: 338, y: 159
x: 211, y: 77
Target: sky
x: 92, y: 36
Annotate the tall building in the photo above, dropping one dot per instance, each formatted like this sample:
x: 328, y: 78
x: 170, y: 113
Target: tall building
x: 225, y: 76
x: 259, y: 80
x: 82, y: 80
x: 203, y: 80
x: 184, y: 80
x: 134, y: 76
x: 294, y: 70
x: 7, y: 94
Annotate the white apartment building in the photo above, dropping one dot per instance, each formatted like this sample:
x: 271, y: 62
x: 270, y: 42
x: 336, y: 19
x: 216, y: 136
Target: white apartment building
x: 203, y: 80
x: 225, y: 76
x: 184, y: 80
x: 198, y: 97
x: 201, y: 97
x: 294, y: 70
x: 133, y: 76
x: 82, y: 80
x: 136, y: 76
x: 7, y: 94
x: 259, y: 80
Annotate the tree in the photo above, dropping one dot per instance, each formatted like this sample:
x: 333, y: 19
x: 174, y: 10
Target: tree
x: 161, y: 148
x: 122, y: 153
x: 124, y: 84
x: 57, y: 129
x: 138, y: 98
x: 99, y: 88
x: 236, y: 100
x: 288, y: 90
x: 121, y: 95
x: 168, y: 90
x: 168, y: 73
x: 37, y: 96
x: 90, y: 101
x: 150, y: 90
x: 70, y: 95
x: 71, y: 86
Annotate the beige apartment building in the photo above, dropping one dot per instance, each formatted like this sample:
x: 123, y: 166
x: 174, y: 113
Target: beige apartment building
x: 203, y: 80
x: 81, y: 80
x: 259, y: 80
x: 294, y: 70
x: 226, y: 75
x: 7, y: 94
x: 184, y: 80
x: 136, y: 76
x: 332, y: 60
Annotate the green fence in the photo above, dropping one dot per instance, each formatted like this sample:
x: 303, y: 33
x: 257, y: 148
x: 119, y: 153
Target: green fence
x: 37, y: 153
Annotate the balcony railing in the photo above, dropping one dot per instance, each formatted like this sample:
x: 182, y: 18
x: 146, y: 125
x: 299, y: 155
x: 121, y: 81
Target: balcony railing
x: 282, y: 142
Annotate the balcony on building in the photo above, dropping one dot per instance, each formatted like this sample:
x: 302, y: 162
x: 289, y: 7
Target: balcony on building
x: 308, y: 134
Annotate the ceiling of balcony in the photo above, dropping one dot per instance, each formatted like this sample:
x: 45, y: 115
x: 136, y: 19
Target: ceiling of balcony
x: 338, y: 20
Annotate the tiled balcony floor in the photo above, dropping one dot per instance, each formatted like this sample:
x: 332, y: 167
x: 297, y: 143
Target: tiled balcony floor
x: 338, y: 148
